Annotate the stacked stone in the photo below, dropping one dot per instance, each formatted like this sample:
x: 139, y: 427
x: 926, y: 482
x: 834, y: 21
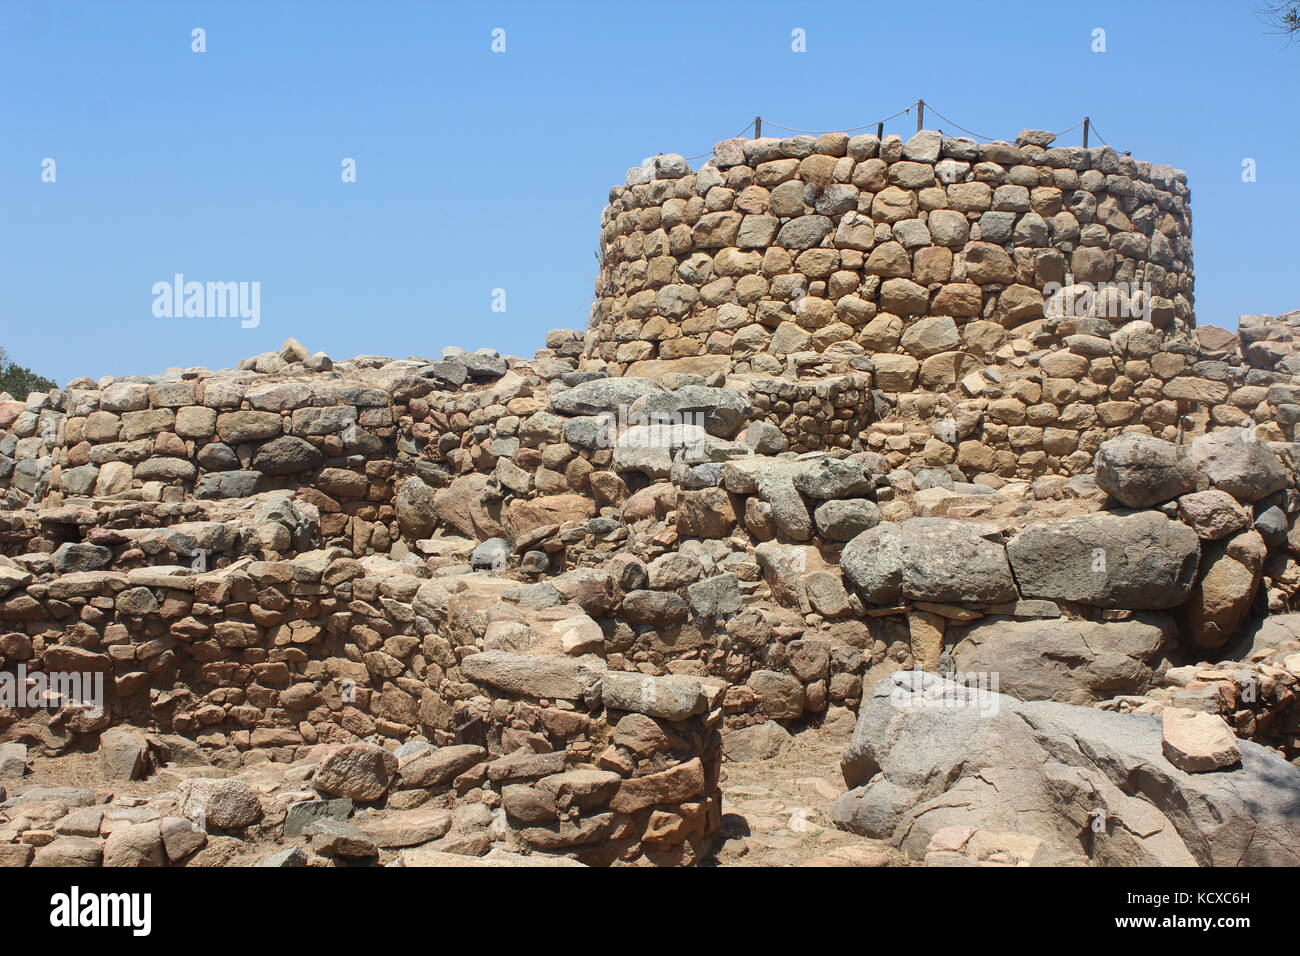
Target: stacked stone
x: 812, y: 415
x: 781, y: 246
x: 1258, y: 698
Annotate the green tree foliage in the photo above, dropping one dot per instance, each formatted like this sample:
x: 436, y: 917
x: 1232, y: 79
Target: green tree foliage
x: 19, y: 381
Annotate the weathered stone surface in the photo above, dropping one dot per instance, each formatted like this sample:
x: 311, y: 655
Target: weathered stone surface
x: 360, y: 771
x: 416, y: 510
x: 1140, y: 471
x: 758, y: 742
x: 672, y: 698
x: 844, y: 520
x: 135, y: 845
x: 1196, y: 742
x: 402, y: 828
x: 527, y: 676
x: 929, y: 559
x: 1230, y: 575
x: 1237, y: 462
x: 223, y: 804
x: 123, y: 754
x: 674, y: 785
x: 915, y: 769
x: 438, y: 767
x: 1213, y: 514
x: 1138, y: 561
x: 603, y: 395
x: 336, y: 838
x: 1071, y: 661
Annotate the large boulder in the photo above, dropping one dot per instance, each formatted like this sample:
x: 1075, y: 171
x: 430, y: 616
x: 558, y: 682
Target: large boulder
x: 463, y: 506
x: 1141, y: 471
x: 603, y: 395
x: 416, y: 508
x: 531, y: 514
x: 1094, y: 786
x: 361, y: 771
x: 720, y: 411
x: 1138, y: 561
x: 526, y: 675
x: 1237, y: 462
x: 287, y: 455
x: 1221, y: 598
x: 929, y: 559
x: 1071, y: 661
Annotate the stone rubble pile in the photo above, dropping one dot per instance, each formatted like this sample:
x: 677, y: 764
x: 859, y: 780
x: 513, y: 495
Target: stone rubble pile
x: 826, y: 443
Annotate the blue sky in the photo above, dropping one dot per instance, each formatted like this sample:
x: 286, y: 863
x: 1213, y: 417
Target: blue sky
x: 479, y: 171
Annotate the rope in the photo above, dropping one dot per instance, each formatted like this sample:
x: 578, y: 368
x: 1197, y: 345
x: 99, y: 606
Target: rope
x: 813, y: 132
x: 950, y: 122
x: 906, y: 110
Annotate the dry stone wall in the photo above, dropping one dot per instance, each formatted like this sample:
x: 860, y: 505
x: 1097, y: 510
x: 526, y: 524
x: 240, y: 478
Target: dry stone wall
x: 951, y: 275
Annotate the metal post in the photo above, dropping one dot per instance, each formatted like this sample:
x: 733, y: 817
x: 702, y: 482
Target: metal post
x: 758, y: 127
x: 880, y: 131
x: 920, y: 115
x: 1086, y: 123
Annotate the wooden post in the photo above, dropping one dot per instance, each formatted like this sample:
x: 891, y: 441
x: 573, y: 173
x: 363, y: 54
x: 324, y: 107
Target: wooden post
x: 920, y: 115
x: 1086, y: 123
x: 758, y: 127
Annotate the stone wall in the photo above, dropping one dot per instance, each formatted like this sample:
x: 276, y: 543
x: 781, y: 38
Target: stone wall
x: 778, y: 247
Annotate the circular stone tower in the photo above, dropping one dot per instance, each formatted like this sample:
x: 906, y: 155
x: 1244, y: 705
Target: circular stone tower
x: 934, y: 250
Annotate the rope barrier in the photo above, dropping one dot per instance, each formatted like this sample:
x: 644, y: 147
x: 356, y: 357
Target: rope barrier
x: 754, y: 125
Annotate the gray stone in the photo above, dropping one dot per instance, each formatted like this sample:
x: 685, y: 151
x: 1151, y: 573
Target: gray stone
x: 1071, y: 661
x: 672, y: 698
x: 294, y: 856
x: 714, y: 598
x: 824, y: 478
x: 287, y: 455
x: 303, y: 813
x: 1141, y: 471
x: 1235, y: 461
x: 804, y: 232
x: 123, y: 754
x: 1044, y: 769
x: 929, y: 559
x: 845, y: 519
x: 757, y: 742
x: 603, y: 395
x: 13, y: 760
x: 873, y: 563
x: 492, y: 555
x: 721, y: 411
x: 227, y: 484
x: 764, y: 438
x: 789, y: 512
x: 527, y: 676
x: 70, y: 557
x: 1136, y: 561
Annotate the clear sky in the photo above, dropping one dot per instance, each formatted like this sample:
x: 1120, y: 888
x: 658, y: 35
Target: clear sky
x: 478, y: 171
